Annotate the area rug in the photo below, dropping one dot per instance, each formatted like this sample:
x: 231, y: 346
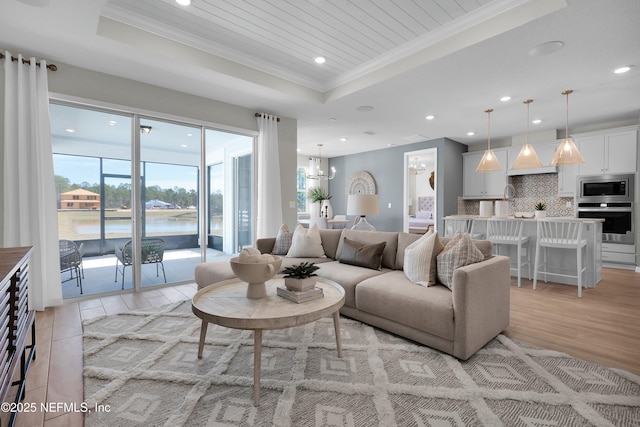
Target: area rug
x: 142, y: 369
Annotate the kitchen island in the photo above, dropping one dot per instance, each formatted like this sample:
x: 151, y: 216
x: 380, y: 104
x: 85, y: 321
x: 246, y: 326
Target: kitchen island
x: 560, y: 261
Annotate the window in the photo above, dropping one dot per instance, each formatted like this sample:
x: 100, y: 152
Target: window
x: 302, y: 189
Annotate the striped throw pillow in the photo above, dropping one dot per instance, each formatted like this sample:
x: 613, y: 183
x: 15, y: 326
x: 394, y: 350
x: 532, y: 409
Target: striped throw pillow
x: 420, y: 259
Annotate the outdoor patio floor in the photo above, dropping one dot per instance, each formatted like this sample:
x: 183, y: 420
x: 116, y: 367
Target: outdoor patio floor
x: 100, y: 272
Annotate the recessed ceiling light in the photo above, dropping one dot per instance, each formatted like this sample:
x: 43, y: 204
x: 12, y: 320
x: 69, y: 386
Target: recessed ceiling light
x: 112, y: 123
x: 364, y: 108
x: 470, y: 133
x: 430, y: 117
x: 623, y: 70
x: 320, y: 59
x: 298, y: 150
x: 505, y: 98
x: 546, y: 48
x: 332, y: 119
x: 343, y: 139
x: 70, y: 130
x: 536, y: 121
x: 183, y: 2
x: 189, y: 134
x: 183, y: 145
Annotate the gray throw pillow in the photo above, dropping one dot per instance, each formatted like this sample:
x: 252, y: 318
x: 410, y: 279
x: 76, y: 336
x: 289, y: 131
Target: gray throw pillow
x: 362, y: 254
x: 283, y: 241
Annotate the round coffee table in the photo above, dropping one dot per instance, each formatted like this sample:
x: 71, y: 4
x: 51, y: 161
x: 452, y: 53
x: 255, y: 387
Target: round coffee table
x: 226, y: 304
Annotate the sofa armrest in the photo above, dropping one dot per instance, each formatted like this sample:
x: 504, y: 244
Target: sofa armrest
x: 481, y: 299
x: 265, y: 244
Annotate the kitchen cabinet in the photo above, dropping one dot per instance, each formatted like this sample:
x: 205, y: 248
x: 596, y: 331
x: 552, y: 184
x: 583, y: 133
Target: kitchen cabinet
x: 486, y: 185
x: 567, y: 179
x: 608, y: 152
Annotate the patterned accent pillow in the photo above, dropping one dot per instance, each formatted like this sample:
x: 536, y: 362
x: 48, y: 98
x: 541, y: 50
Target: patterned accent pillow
x: 460, y: 251
x: 420, y: 265
x: 306, y: 243
x: 283, y: 241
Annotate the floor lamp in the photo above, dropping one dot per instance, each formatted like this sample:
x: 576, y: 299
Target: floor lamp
x: 362, y: 205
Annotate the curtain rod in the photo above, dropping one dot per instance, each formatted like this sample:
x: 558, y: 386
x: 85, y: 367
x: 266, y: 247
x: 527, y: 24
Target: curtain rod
x: 52, y: 67
x: 260, y: 115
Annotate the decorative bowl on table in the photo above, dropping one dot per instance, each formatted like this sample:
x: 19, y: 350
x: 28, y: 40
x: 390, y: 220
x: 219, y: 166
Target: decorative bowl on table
x: 256, y: 272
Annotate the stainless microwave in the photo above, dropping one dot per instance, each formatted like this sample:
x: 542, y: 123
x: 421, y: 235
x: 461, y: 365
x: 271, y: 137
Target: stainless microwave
x: 605, y: 188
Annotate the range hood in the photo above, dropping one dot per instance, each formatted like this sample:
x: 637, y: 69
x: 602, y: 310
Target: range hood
x: 534, y: 171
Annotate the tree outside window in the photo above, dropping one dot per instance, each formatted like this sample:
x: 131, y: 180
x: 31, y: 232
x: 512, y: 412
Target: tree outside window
x: 302, y: 189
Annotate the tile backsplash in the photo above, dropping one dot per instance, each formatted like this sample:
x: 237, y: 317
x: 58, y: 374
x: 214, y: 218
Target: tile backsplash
x: 530, y: 189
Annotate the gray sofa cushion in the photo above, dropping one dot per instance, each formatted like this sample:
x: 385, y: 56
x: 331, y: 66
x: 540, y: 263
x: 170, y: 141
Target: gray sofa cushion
x: 394, y: 297
x: 362, y: 254
x: 370, y: 237
x: 348, y: 276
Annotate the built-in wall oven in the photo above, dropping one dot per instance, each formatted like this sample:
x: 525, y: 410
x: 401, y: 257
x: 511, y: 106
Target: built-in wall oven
x: 610, y: 197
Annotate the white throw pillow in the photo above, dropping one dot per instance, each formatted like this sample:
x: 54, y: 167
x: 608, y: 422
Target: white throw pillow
x: 420, y: 259
x: 306, y: 243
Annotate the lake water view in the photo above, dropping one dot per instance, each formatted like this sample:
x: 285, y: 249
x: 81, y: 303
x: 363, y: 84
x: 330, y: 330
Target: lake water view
x: 85, y: 225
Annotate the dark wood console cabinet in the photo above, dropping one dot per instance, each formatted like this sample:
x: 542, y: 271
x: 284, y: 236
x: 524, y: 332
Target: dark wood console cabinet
x: 16, y: 322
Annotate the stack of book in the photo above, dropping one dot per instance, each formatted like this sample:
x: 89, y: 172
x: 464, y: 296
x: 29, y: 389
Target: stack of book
x: 300, y: 296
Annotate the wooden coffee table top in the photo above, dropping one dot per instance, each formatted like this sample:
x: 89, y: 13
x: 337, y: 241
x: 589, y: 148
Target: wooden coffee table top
x: 226, y: 304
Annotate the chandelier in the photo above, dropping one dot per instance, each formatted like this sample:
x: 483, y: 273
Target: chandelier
x: 417, y: 169
x: 316, y: 171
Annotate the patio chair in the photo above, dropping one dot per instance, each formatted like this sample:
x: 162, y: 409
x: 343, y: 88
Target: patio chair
x: 71, y: 261
x: 152, y: 252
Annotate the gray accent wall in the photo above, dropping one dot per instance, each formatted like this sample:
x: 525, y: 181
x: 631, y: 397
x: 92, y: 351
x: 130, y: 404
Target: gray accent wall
x: 387, y: 168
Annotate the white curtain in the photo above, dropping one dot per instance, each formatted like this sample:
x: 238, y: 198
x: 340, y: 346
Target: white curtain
x: 269, y: 190
x: 30, y: 216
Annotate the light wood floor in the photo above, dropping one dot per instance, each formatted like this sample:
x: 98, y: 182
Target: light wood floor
x: 603, y: 327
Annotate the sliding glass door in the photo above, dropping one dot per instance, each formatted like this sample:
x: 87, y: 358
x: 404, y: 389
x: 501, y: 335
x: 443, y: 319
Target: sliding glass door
x: 145, y: 200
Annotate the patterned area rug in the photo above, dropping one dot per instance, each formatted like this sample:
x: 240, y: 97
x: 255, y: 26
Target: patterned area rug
x: 144, y: 365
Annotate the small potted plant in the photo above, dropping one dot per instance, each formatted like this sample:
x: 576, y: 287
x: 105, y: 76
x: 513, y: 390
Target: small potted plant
x: 300, y: 277
x: 540, y: 209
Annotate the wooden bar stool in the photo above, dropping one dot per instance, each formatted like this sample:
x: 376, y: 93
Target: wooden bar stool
x: 562, y: 233
x: 509, y: 232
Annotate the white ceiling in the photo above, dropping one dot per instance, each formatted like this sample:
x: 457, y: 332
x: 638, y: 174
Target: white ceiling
x: 406, y: 58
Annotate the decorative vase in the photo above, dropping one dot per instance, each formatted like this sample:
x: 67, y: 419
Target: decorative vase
x: 326, y: 210
x: 255, y: 274
x: 541, y: 214
x: 298, y: 285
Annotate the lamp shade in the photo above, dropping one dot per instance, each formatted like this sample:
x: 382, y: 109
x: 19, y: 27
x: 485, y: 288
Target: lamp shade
x: 527, y: 158
x: 362, y: 204
x: 489, y: 162
x: 567, y: 154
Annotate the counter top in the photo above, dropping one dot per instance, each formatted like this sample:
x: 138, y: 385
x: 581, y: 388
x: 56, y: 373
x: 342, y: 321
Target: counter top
x: 485, y: 218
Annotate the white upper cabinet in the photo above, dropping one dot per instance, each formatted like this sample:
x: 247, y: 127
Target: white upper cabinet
x: 608, y: 152
x: 483, y: 185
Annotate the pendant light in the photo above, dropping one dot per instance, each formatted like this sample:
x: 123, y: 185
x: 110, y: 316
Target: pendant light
x: 527, y: 158
x: 567, y: 153
x: 489, y: 162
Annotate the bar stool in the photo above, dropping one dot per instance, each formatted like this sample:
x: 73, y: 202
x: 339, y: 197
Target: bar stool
x: 509, y: 232
x: 462, y: 224
x: 562, y: 233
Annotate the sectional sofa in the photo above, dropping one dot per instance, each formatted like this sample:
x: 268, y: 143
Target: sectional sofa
x: 458, y: 320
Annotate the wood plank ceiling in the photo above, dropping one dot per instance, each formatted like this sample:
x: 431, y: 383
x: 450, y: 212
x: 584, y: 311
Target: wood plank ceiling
x: 282, y: 37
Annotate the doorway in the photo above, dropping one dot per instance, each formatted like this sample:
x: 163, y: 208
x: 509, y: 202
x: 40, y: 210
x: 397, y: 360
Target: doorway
x: 420, y: 191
